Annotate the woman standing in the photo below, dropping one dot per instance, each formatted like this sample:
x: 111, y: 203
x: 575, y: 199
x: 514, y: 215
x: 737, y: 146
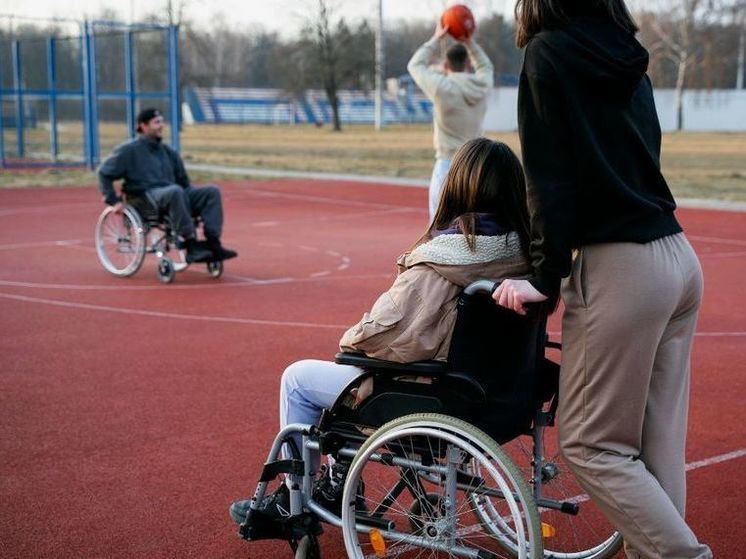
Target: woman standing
x: 602, y: 214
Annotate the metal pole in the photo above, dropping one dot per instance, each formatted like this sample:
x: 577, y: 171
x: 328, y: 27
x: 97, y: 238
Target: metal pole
x: 173, y: 84
x: 379, y: 68
x: 54, y: 148
x: 129, y: 77
x: 2, y: 128
x: 741, y: 53
x: 84, y: 63
x: 90, y: 97
x: 18, y: 85
x: 95, y: 148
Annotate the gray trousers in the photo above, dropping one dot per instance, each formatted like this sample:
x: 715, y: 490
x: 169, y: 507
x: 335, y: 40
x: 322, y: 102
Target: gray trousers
x: 184, y: 204
x: 630, y: 316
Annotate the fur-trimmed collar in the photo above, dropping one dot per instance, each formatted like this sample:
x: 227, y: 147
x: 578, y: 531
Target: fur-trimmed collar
x: 453, y: 250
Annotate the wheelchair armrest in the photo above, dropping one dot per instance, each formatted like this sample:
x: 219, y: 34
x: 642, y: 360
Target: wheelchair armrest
x: 416, y: 368
x: 467, y: 384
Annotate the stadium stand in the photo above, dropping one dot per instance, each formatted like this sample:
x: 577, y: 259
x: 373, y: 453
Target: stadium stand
x: 274, y: 106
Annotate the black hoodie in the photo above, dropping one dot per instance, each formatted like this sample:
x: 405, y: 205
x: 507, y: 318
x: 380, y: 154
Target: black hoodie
x: 591, y: 144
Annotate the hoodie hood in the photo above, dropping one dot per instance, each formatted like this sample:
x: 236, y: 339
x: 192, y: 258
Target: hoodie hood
x: 495, y: 257
x: 472, y: 88
x: 596, y: 50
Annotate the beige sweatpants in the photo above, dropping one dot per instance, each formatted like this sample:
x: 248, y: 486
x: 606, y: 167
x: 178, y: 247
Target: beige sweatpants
x: 630, y: 315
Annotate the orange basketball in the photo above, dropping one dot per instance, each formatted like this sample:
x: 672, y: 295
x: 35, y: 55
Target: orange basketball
x: 459, y: 20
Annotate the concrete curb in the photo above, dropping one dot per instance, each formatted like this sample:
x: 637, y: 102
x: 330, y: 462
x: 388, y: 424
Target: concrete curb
x: 694, y: 203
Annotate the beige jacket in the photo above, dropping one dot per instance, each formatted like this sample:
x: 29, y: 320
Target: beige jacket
x: 414, y: 319
x: 459, y: 98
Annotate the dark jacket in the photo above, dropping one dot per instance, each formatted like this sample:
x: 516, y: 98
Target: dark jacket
x: 591, y: 144
x: 143, y: 163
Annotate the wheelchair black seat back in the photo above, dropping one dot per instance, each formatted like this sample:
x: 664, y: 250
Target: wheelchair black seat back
x: 123, y: 239
x: 495, y: 378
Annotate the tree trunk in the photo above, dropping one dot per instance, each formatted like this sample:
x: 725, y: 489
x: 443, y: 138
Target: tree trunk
x: 331, y: 95
x: 680, y: 80
x: 741, y: 54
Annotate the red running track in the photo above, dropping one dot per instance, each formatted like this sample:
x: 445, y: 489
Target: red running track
x: 135, y: 412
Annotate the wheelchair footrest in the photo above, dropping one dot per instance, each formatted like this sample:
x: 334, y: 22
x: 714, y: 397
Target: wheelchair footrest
x: 260, y: 526
x: 272, y: 469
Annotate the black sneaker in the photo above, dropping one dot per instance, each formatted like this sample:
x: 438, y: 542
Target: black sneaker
x: 196, y: 251
x: 219, y: 252
x: 276, y: 505
x: 328, y: 488
x: 240, y: 510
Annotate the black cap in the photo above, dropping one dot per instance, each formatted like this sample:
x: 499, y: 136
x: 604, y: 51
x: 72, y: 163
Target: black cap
x: 146, y: 115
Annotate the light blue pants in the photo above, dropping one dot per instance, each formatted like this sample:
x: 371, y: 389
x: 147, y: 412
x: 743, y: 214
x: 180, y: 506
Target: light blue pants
x: 307, y: 388
x: 440, y: 170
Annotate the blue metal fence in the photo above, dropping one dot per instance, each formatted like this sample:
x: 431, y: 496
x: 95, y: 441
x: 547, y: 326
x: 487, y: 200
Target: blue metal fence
x: 89, y: 93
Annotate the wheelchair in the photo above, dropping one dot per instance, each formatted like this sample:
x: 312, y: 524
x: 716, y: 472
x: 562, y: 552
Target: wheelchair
x: 123, y: 239
x: 428, y: 470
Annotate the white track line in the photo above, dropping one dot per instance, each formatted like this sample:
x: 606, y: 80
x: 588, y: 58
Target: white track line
x: 734, y: 242
x: 734, y: 334
x: 64, y: 243
x: 716, y: 459
x: 689, y: 467
x: 177, y: 316
x: 242, y: 281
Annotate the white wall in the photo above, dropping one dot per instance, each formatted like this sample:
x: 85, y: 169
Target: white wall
x: 704, y: 110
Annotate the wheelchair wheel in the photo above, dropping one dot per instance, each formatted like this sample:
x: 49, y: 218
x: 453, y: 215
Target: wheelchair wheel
x: 166, y: 270
x: 120, y: 241
x: 419, y: 465
x: 215, y: 269
x: 585, y: 535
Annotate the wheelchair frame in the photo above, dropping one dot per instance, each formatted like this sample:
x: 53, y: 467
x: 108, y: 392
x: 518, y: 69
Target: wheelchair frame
x: 509, y: 512
x: 123, y: 239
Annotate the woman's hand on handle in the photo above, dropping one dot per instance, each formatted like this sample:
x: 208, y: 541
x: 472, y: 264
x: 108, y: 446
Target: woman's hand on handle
x: 513, y: 294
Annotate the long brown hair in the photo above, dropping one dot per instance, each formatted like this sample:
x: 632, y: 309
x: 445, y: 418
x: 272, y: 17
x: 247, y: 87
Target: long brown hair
x: 485, y: 177
x: 534, y: 15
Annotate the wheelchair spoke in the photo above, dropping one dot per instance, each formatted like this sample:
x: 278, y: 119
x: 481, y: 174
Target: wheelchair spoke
x: 431, y: 509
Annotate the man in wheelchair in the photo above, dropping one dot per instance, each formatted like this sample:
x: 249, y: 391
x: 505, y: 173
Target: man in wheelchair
x: 155, y: 177
x: 407, y: 355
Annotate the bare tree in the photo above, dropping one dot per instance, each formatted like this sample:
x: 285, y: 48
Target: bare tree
x: 684, y: 33
x: 675, y: 42
x: 326, y: 48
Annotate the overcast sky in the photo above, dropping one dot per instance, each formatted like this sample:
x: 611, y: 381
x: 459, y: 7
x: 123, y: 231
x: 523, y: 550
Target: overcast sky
x: 279, y: 15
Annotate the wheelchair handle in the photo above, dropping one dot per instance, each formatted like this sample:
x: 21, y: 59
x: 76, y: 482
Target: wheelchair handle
x: 483, y: 285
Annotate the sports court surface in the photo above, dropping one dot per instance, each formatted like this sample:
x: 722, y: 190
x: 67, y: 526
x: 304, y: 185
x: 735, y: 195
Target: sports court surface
x: 134, y: 412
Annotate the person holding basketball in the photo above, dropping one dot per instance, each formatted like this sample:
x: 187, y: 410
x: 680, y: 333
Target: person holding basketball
x: 602, y: 214
x: 153, y: 170
x: 459, y: 99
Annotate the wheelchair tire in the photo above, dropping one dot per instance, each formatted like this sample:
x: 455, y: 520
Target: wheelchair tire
x: 215, y: 269
x: 586, y: 535
x: 392, y: 463
x: 166, y: 270
x: 120, y: 241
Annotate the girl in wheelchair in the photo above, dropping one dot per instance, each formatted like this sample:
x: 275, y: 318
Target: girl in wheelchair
x: 480, y: 229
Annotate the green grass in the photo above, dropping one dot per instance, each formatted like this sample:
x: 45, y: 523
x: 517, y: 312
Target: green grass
x: 697, y: 165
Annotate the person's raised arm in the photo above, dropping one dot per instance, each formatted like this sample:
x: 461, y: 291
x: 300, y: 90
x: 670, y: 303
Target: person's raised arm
x: 483, y: 68
x: 419, y: 68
